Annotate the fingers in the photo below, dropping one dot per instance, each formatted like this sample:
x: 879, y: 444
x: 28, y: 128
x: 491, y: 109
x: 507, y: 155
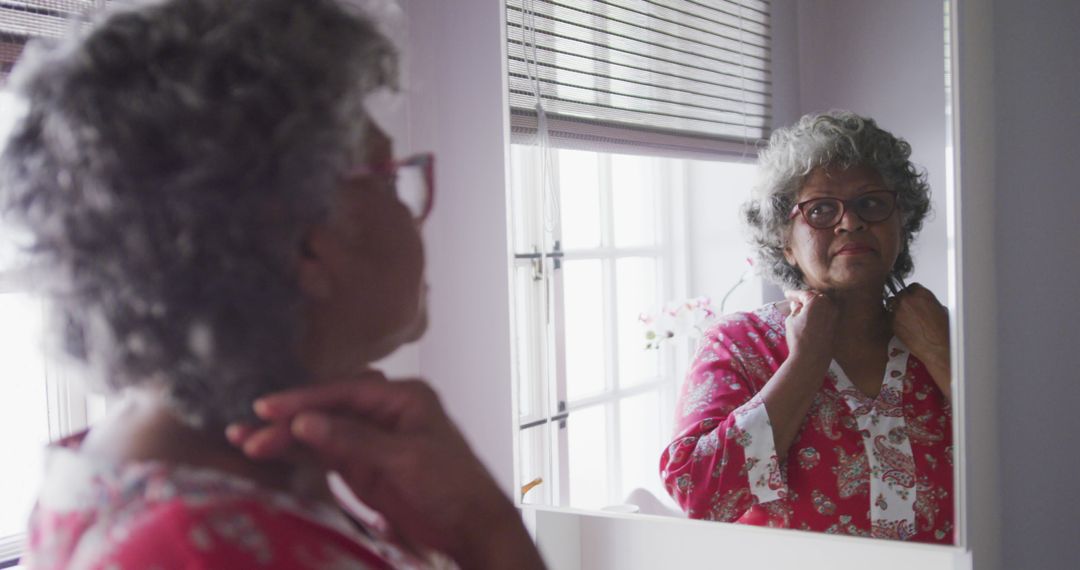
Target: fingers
x: 334, y: 439
x: 270, y: 442
x: 273, y: 441
x: 799, y: 296
x: 802, y: 299
x: 345, y: 444
x: 914, y: 292
x: 237, y: 434
x: 379, y: 398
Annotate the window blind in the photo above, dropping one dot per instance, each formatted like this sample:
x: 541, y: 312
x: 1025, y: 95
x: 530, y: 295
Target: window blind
x: 679, y: 74
x: 21, y: 20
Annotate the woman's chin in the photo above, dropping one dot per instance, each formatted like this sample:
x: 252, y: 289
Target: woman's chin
x: 857, y: 282
x: 410, y: 332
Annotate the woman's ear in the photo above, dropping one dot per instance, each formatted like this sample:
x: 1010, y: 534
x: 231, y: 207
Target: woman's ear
x: 789, y: 256
x: 314, y: 273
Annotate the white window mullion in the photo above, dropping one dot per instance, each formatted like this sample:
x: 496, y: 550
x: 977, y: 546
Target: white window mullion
x: 549, y: 207
x: 677, y: 253
x: 557, y: 382
x: 611, y: 339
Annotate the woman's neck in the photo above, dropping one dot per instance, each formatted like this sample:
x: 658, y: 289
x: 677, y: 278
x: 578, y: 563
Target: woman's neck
x: 143, y: 428
x: 863, y: 320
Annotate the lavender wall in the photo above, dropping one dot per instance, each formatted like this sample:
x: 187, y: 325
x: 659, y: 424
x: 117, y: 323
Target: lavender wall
x: 457, y: 109
x: 885, y: 60
x: 1036, y: 98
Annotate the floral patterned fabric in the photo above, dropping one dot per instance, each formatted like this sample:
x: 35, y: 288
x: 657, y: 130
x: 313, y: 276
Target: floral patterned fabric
x: 95, y: 515
x: 877, y: 467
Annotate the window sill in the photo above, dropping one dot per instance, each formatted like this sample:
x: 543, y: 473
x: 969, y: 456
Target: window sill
x: 11, y: 549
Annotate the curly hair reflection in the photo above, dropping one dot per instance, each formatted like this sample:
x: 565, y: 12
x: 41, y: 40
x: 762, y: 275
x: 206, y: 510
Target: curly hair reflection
x: 835, y: 138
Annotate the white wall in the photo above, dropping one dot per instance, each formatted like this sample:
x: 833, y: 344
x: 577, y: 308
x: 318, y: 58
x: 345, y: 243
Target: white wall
x: 1036, y: 88
x: 882, y: 59
x: 976, y: 257
x: 716, y: 244
x: 457, y: 110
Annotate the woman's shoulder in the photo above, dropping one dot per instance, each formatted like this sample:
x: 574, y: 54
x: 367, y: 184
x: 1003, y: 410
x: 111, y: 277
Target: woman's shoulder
x: 241, y: 532
x: 213, y: 532
x: 150, y: 514
x: 768, y: 319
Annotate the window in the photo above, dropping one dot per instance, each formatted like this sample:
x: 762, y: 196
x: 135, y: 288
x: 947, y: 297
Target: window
x: 615, y: 237
x: 40, y: 400
x: 631, y: 125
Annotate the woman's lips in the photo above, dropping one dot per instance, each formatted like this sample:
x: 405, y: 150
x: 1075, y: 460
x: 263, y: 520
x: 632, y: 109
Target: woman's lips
x: 855, y: 250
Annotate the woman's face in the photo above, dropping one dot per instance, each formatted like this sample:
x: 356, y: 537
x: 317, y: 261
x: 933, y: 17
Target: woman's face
x: 369, y: 288
x: 853, y: 255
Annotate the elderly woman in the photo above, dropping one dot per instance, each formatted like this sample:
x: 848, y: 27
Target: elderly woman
x: 830, y: 412
x: 227, y: 245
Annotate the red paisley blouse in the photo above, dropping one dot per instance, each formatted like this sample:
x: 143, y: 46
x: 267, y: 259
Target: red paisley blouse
x: 869, y: 467
x: 95, y: 515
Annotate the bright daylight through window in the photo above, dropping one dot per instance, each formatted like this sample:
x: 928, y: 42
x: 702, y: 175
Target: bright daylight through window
x: 620, y: 270
x: 39, y: 401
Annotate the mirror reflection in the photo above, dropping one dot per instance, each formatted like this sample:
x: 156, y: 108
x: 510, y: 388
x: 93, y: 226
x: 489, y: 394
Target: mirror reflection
x: 755, y: 335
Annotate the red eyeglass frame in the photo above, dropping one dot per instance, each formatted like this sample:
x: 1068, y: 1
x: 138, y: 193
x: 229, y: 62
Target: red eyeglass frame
x: 424, y: 160
x: 798, y: 209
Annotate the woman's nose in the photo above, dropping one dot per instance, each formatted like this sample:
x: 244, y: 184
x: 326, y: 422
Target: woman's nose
x: 850, y: 222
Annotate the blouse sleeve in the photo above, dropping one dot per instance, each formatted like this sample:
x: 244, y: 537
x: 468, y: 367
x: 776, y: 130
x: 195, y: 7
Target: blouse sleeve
x: 230, y: 535
x: 723, y: 459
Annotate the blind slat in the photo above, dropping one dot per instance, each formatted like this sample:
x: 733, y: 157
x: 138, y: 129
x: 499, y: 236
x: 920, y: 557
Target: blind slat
x: 751, y: 51
x: 602, y: 137
x: 661, y: 26
x: 570, y: 102
x: 644, y: 122
x: 40, y: 18
x: 733, y: 7
x: 560, y: 52
x: 23, y: 20
x: 603, y: 88
x: 673, y: 88
x: 694, y: 68
x: 659, y: 53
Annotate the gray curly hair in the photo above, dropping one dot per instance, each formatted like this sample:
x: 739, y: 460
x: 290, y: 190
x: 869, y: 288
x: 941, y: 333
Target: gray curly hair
x: 171, y: 160
x: 834, y: 138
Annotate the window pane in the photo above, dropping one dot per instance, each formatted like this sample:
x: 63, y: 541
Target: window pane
x: 532, y: 452
x: 579, y: 199
x: 24, y: 422
x: 528, y: 326
x: 640, y: 444
x: 719, y: 248
x: 635, y: 282
x: 587, y: 439
x: 584, y: 322
x: 633, y: 190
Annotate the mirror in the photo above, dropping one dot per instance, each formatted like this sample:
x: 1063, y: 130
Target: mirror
x: 646, y: 251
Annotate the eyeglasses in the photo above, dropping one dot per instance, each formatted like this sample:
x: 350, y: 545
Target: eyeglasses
x: 411, y: 180
x: 825, y: 213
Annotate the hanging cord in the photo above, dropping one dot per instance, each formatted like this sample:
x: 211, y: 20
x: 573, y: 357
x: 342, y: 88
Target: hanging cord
x: 547, y: 180
x: 742, y: 87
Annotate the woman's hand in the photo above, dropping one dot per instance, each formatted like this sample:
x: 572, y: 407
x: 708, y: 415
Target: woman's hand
x: 399, y: 452
x: 788, y: 395
x: 922, y: 323
x: 811, y: 327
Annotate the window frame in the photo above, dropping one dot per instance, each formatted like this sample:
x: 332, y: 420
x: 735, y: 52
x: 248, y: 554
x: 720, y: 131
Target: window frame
x: 70, y: 406
x: 555, y: 408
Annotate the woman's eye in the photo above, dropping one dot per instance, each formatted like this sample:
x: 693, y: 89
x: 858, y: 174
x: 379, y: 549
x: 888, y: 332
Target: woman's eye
x: 822, y: 210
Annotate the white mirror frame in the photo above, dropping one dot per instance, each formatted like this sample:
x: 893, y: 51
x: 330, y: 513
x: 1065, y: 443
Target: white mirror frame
x: 454, y: 80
